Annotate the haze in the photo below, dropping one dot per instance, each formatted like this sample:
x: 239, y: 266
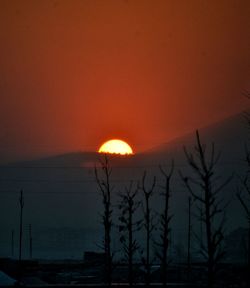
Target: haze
x: 76, y: 73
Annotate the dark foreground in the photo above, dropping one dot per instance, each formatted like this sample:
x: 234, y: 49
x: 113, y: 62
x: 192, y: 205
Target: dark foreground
x: 81, y: 274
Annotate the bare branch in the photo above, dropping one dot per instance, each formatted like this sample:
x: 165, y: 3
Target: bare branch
x: 203, y: 189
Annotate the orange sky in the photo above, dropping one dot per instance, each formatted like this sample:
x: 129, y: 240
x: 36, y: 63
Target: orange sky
x: 76, y: 73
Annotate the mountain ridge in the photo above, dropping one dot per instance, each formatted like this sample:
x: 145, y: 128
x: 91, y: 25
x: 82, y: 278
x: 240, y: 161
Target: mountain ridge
x: 210, y: 133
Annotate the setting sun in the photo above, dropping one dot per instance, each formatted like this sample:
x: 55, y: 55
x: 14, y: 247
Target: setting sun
x: 116, y: 146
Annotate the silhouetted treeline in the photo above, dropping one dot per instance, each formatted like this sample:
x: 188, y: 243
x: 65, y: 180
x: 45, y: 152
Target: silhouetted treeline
x: 204, y: 189
x: 207, y: 194
x: 201, y: 182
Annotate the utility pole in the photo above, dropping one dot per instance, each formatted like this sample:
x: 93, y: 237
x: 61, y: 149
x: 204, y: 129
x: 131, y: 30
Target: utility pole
x: 12, y: 243
x: 189, y: 237
x: 30, y: 234
x: 21, y: 202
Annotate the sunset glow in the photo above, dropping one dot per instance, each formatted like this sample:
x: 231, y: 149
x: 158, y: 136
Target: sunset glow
x: 116, y: 146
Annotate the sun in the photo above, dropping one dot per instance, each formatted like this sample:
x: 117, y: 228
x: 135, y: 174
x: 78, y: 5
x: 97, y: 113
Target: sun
x: 116, y: 146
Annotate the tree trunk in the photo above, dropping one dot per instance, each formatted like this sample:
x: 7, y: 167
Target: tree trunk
x: 130, y: 251
x: 147, y: 244
x: 189, y: 239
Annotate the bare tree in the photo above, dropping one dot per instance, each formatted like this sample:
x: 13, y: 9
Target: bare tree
x: 148, y: 224
x: 244, y: 200
x: 203, y: 187
x: 105, y: 188
x: 164, y: 226
x: 243, y: 192
x: 128, y: 226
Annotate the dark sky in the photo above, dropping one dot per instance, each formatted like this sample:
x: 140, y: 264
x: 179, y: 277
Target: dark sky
x: 76, y: 73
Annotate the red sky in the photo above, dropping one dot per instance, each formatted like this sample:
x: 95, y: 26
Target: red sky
x: 76, y: 73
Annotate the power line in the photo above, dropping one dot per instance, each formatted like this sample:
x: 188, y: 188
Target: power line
x: 64, y: 192
x: 229, y: 163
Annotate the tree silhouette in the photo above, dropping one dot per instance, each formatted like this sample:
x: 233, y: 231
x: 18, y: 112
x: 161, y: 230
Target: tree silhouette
x: 203, y: 187
x: 128, y: 226
x: 148, y: 224
x: 244, y: 200
x: 164, y: 227
x: 105, y: 188
x: 245, y: 188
